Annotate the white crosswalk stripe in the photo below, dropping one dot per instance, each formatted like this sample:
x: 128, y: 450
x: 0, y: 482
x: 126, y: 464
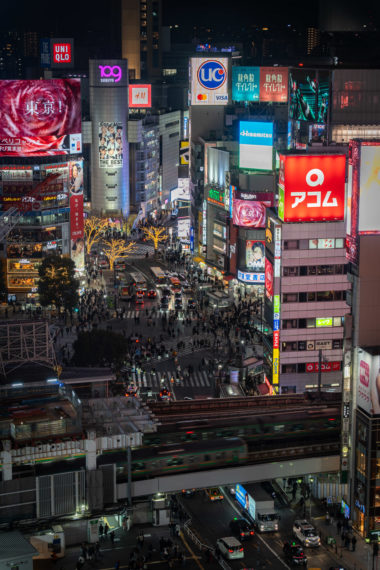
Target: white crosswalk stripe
x: 163, y: 378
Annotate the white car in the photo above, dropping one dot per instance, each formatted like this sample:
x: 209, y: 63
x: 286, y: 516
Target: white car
x: 306, y: 533
x: 230, y: 548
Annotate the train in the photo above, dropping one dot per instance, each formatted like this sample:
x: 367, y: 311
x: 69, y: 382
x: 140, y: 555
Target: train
x: 188, y: 456
x: 256, y: 428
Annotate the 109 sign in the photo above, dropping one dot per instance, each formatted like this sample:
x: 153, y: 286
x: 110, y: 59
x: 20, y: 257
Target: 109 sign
x: 110, y: 74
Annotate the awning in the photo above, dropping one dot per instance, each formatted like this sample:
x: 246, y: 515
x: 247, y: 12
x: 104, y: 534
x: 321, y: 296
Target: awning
x: 228, y: 277
x: 198, y: 260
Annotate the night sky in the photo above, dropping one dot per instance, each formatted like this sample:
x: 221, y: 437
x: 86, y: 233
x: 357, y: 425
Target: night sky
x: 75, y: 17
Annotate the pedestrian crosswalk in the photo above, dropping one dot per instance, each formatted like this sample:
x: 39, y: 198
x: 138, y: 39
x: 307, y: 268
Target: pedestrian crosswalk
x: 141, y: 249
x: 134, y: 313
x: 198, y: 379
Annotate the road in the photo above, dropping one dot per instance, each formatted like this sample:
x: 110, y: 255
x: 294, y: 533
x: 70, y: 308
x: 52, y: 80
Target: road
x: 210, y: 520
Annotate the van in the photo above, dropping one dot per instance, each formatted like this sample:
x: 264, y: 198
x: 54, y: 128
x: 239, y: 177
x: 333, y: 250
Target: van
x: 230, y: 548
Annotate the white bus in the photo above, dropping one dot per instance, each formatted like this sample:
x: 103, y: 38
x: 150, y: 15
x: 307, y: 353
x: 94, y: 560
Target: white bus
x: 139, y: 282
x: 159, y: 275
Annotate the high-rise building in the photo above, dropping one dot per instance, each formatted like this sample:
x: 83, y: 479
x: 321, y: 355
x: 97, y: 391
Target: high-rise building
x: 141, y: 37
x: 313, y: 36
x: 11, y: 55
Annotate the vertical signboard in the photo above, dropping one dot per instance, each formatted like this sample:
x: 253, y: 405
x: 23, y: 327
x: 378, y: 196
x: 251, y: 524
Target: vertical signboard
x: 369, y: 220
x: 208, y: 81
x: 276, y: 308
x: 245, y: 83
x: 274, y: 84
x: 256, y: 145
x: 76, y: 213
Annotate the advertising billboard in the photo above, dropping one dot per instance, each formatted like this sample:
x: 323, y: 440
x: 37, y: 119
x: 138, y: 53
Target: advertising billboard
x: 274, y: 84
x: 245, y: 83
x: 249, y: 214
x: 62, y: 52
x: 38, y: 117
x: 250, y: 277
x: 255, y: 145
x: 140, y: 96
x: 369, y: 220
x: 269, y: 280
x: 208, y: 81
x: 312, y: 188
x: 368, y: 382
x: 183, y: 229
x: 183, y: 190
x: 245, y: 500
x: 255, y: 255
x: 110, y: 137
x: 184, y: 152
x: 309, y: 95
x: 76, y: 199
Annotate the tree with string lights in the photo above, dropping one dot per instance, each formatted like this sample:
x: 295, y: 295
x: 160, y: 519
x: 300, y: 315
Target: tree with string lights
x: 155, y: 235
x: 115, y: 249
x: 94, y: 228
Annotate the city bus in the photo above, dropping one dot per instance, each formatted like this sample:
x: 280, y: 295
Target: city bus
x: 159, y: 275
x: 139, y: 283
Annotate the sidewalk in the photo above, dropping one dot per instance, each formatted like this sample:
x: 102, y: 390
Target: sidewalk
x: 360, y: 559
x: 127, y: 542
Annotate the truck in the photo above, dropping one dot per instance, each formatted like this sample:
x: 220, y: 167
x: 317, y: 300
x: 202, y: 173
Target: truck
x: 259, y: 506
x: 265, y: 516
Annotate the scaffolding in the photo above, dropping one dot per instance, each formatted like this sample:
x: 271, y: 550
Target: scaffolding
x: 23, y: 343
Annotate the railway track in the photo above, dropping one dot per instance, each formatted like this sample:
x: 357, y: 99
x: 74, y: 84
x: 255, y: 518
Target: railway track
x: 178, y: 411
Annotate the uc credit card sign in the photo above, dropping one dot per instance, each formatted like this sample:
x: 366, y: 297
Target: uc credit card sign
x: 209, y: 81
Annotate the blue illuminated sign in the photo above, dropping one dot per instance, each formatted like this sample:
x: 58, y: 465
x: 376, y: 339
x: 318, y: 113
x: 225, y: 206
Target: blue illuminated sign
x: 248, y: 277
x: 245, y: 83
x: 256, y: 133
x: 241, y: 496
x: 192, y: 239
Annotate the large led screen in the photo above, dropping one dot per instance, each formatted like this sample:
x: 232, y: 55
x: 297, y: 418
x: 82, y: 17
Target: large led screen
x: 40, y: 117
x: 249, y: 213
x: 369, y: 219
x: 256, y: 145
x: 309, y: 95
x: 110, y: 145
x: 368, y: 382
x: 208, y: 81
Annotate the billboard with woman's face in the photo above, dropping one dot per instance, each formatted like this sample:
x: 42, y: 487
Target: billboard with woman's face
x: 255, y: 255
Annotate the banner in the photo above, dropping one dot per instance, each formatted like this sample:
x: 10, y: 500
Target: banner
x: 110, y: 145
x: 76, y: 199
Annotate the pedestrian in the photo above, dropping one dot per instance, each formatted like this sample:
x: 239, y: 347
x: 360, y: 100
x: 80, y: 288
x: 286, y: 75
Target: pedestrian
x: 338, y: 527
x: 347, y: 541
x: 112, y: 537
x: 117, y: 564
x: 140, y: 539
x: 106, y: 529
x: 353, y: 542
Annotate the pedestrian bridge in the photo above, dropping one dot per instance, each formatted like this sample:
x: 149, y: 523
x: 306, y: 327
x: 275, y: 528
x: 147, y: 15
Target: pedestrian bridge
x: 232, y: 475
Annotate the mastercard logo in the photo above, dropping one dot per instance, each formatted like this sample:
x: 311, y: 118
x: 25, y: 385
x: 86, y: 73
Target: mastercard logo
x: 202, y: 97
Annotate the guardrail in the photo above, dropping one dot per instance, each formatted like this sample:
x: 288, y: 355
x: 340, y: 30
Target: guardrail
x: 203, y: 547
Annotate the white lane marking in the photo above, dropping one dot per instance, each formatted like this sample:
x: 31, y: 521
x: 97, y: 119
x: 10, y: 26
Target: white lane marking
x: 257, y: 534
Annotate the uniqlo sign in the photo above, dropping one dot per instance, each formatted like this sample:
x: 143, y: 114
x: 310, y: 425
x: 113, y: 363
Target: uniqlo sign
x: 312, y: 188
x: 62, y: 53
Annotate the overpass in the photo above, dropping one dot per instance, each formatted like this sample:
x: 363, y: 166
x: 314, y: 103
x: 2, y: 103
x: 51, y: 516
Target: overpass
x: 285, y: 436
x: 232, y: 475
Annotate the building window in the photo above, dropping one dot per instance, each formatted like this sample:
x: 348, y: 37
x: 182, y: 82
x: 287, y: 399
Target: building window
x: 290, y: 271
x: 290, y: 298
x: 289, y: 368
x: 291, y: 244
